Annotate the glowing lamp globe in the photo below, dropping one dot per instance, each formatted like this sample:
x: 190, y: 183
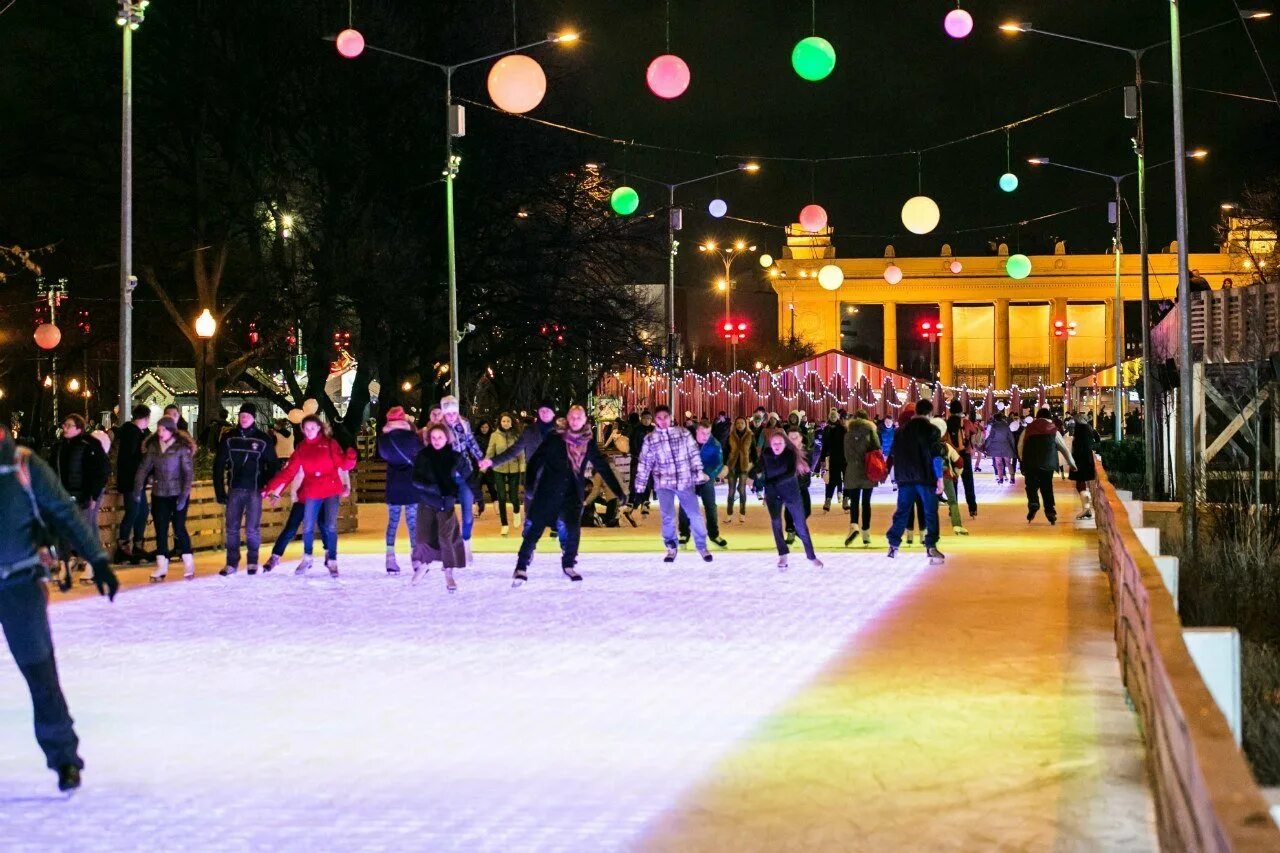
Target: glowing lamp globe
x: 718, y: 207
x: 1018, y: 266
x: 1008, y: 182
x: 958, y: 23
x: 310, y: 407
x: 517, y: 83
x: 668, y: 76
x: 920, y: 214
x: 813, y: 218
x: 350, y: 43
x: 813, y: 58
x: 956, y: 267
x: 893, y: 273
x: 831, y: 277
x: 48, y: 336
x: 766, y: 261
x: 624, y: 201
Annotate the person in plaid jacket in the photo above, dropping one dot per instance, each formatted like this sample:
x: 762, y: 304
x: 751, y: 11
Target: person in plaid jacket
x: 672, y: 457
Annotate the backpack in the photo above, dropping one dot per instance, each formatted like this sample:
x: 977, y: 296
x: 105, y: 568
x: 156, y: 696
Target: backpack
x: 46, y: 551
x: 873, y: 463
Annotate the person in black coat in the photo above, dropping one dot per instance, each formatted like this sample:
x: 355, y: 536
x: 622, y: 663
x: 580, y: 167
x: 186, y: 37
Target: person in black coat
x: 556, y: 479
x: 83, y: 468
x: 398, y: 446
x: 246, y: 456
x: 436, y: 472
x: 779, y: 467
x: 833, y: 456
x: 128, y: 440
x: 1083, y: 442
x: 916, y: 460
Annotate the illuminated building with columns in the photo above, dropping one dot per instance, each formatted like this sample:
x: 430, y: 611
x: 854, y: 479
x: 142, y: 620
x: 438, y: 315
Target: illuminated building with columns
x: 995, y: 329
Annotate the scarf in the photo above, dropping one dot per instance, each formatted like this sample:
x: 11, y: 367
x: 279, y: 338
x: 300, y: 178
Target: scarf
x: 576, y: 445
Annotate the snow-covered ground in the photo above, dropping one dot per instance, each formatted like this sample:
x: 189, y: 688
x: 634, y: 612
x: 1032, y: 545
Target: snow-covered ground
x: 278, y: 713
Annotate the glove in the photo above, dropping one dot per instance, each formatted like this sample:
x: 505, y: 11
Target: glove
x: 105, y: 579
x: 181, y: 505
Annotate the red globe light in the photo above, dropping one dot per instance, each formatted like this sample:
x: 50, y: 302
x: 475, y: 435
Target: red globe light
x: 48, y: 336
x: 350, y: 43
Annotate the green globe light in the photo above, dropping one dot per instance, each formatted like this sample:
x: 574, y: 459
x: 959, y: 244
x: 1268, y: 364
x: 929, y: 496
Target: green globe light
x: 813, y: 58
x: 1008, y: 182
x: 624, y: 201
x: 1018, y: 266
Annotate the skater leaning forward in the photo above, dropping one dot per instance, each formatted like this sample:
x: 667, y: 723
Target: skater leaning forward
x: 437, y: 472
x: 779, y: 468
x: 34, y: 511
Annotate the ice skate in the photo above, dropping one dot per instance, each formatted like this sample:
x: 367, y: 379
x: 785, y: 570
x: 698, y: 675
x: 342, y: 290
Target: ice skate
x: 1031, y: 514
x: 505, y: 530
x: 815, y: 562
x: 911, y: 537
x: 959, y: 531
x: 68, y: 778
x: 892, y: 552
x: 518, y: 578
x: 188, y: 566
x: 332, y: 566
x: 720, y: 542
x: 854, y: 530
x: 272, y: 562
x: 670, y: 556
x: 252, y: 570
x: 123, y: 554
x: 1085, y: 515
x: 571, y: 573
x: 936, y: 557
x: 791, y: 538
x: 393, y: 568
x: 466, y: 547
x: 684, y: 540
x: 304, y: 566
x: 86, y: 573
x: 705, y: 554
x: 227, y: 571
x: 866, y: 538
x: 449, y: 582
x: 782, y: 563
x: 420, y: 569
x: 742, y: 519
x: 162, y: 569
x: 826, y: 506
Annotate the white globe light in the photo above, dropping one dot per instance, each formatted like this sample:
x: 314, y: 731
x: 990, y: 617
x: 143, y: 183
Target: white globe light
x: 956, y: 267
x: 831, y: 277
x: 718, y: 207
x: 920, y: 214
x: 766, y: 261
x: 893, y: 273
x: 517, y: 83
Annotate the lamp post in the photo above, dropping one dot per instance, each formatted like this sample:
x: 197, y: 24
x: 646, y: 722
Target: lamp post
x: 454, y: 125
x: 727, y: 256
x: 1118, y: 313
x: 206, y: 328
x: 128, y: 18
x: 1139, y: 150
x: 931, y: 331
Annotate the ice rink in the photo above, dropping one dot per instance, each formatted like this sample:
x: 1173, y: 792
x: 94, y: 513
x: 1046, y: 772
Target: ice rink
x: 283, y: 713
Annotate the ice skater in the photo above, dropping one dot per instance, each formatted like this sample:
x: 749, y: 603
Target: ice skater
x: 779, y: 466
x: 437, y: 471
x: 399, y: 446
x: 917, y: 463
x: 248, y: 455
x: 34, y: 508
x: 555, y: 481
x: 672, y: 456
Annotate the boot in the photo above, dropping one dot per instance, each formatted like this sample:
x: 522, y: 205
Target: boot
x: 505, y: 530
x: 227, y: 571
x: 816, y: 563
x: 86, y: 573
x: 670, y: 555
x: 332, y: 566
x: 782, y: 562
x: 123, y: 554
x: 393, y: 568
x: 304, y: 565
x: 866, y: 537
x: 162, y: 569
x: 253, y: 568
x: 449, y: 582
x: 272, y: 562
x: 138, y: 553
x: 705, y: 554
x: 1086, y: 506
x: 188, y: 566
x: 420, y: 569
x: 68, y: 777
x: 854, y: 530
x: 466, y: 547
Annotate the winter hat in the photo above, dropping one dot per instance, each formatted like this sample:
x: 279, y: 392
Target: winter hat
x: 168, y: 424
x: 396, y: 413
x: 449, y: 404
x: 546, y: 404
x: 249, y: 409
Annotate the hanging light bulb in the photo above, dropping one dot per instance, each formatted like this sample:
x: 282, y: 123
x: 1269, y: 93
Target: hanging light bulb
x: 920, y: 214
x: 813, y: 218
x: 667, y: 76
x: 350, y: 43
x: 624, y: 201
x: 1018, y: 266
x: 958, y: 23
x: 893, y: 273
x: 517, y: 83
x: 831, y: 277
x: 813, y: 58
x: 1008, y: 182
x: 718, y: 207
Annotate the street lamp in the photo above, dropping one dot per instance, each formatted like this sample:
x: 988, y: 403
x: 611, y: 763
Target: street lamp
x: 931, y: 331
x: 1118, y: 313
x: 727, y: 256
x: 455, y: 125
x: 129, y: 17
x: 206, y: 327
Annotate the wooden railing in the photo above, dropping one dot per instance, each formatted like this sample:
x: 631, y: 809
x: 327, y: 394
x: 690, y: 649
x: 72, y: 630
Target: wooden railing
x: 1206, y: 798
x: 1231, y: 325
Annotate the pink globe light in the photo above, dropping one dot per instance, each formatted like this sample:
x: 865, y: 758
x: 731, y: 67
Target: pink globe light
x: 517, y: 83
x: 958, y: 23
x: 956, y: 267
x: 350, y: 43
x: 48, y: 336
x: 668, y: 76
x: 813, y: 218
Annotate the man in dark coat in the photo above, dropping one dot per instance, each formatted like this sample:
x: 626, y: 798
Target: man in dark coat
x: 556, y: 479
x: 247, y: 457
x: 1039, y: 445
x: 640, y: 493
x: 83, y: 468
x: 832, y: 456
x: 34, y: 510
x: 129, y: 440
x: 916, y: 460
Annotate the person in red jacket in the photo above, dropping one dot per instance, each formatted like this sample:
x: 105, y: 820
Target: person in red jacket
x: 319, y: 458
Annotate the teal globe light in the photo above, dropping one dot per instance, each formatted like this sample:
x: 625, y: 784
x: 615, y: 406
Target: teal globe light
x: 624, y: 201
x: 813, y: 58
x: 1008, y: 182
x: 1018, y: 266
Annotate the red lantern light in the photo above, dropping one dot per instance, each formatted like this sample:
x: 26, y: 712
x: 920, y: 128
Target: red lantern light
x: 48, y: 336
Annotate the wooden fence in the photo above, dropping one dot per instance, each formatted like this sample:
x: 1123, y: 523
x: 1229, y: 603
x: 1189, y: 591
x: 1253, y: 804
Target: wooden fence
x: 1231, y: 325
x: 1206, y: 798
x: 205, y: 518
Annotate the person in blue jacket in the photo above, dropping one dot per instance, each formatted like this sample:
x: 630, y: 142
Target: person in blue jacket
x: 713, y: 464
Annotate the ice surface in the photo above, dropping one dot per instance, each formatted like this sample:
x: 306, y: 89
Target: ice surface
x: 280, y: 713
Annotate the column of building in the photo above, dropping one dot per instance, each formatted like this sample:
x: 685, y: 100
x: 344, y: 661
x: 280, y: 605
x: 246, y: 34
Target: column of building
x: 1002, y: 342
x: 891, y: 335
x: 946, y: 344
x: 1057, y: 340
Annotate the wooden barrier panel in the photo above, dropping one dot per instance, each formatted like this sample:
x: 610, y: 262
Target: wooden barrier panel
x: 1205, y: 795
x: 205, y: 518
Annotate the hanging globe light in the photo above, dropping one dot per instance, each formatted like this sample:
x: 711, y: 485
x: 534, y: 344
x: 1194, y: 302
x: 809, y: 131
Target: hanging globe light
x: 1008, y: 182
x: 766, y: 261
x: 813, y: 218
x: 624, y: 201
x: 667, y: 76
x: 920, y: 214
x: 350, y: 43
x: 1018, y: 266
x: 517, y: 83
x: 958, y: 23
x: 48, y: 336
x: 893, y: 273
x: 831, y: 277
x: 718, y: 207
x: 813, y: 58
x: 956, y: 267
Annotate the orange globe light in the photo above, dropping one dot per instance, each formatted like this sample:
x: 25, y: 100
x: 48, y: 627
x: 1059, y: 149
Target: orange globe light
x: 517, y: 83
x: 48, y: 336
x: 350, y: 43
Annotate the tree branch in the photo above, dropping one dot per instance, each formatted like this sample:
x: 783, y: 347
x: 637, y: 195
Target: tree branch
x: 149, y: 276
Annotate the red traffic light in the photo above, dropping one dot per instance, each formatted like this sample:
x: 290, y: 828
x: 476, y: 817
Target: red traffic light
x: 742, y: 327
x: 728, y: 327
x: 926, y: 326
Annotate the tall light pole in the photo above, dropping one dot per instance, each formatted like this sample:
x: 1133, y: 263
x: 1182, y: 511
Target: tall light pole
x: 455, y: 125
x: 128, y: 18
x: 1135, y: 110
x: 1186, y: 415
x: 1118, y: 314
x: 728, y: 255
